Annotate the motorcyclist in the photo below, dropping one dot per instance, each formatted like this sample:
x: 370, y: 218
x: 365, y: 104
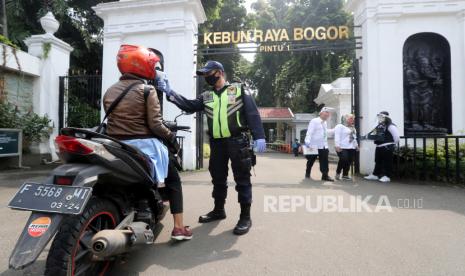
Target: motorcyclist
x: 231, y: 112
x: 137, y: 120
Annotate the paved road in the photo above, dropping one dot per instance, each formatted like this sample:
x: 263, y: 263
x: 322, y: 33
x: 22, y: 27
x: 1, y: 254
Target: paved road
x: 406, y: 241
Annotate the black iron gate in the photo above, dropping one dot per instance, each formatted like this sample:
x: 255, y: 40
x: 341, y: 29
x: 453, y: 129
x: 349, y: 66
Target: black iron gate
x: 355, y: 101
x: 80, y: 101
x: 353, y: 43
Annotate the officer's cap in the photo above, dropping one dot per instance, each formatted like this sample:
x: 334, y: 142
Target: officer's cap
x: 210, y: 66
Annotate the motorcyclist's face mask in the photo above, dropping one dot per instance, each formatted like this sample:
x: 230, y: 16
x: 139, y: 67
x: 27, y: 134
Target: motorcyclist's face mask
x: 212, y: 78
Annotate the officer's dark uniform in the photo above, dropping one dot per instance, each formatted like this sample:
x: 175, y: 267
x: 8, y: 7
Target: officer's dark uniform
x: 231, y: 113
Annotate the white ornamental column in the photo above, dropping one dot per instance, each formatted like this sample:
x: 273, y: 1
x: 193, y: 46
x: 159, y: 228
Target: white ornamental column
x: 385, y: 26
x: 54, y: 54
x: 167, y: 25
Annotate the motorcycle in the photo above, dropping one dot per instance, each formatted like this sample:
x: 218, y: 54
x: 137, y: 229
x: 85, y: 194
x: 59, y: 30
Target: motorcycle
x: 100, y: 204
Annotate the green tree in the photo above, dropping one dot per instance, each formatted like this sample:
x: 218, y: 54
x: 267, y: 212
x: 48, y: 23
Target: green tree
x: 79, y: 26
x: 226, y: 15
x: 294, y: 79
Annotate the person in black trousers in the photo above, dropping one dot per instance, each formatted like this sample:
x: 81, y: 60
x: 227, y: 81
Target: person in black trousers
x: 345, y: 139
x: 296, y: 147
x: 316, y: 141
x: 385, y: 137
x: 232, y: 117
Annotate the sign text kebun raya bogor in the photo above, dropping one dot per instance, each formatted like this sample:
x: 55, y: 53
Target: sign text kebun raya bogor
x: 277, y: 35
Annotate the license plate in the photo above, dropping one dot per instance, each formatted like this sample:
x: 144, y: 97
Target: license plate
x: 51, y: 198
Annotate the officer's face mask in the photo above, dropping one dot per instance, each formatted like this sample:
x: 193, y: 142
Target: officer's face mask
x: 212, y: 79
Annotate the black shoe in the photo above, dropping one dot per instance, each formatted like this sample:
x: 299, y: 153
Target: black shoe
x: 242, y: 226
x: 212, y: 216
x: 327, y: 178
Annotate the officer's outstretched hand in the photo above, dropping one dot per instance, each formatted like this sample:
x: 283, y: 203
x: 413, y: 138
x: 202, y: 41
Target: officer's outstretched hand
x: 162, y: 84
x: 260, y: 145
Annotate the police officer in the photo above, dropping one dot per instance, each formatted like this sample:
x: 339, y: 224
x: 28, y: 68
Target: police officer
x: 231, y: 113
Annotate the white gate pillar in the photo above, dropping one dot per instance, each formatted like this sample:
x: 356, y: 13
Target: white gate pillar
x: 169, y: 26
x: 385, y: 26
x: 55, y: 54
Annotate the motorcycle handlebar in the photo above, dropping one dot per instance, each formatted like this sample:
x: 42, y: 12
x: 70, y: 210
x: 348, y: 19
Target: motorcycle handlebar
x: 173, y: 126
x: 183, y: 127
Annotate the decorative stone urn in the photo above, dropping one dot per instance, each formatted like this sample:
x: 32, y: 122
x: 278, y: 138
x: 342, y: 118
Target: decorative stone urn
x: 49, y: 23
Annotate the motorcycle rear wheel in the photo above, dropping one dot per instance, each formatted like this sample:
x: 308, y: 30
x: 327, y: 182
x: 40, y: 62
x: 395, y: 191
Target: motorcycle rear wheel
x: 70, y: 253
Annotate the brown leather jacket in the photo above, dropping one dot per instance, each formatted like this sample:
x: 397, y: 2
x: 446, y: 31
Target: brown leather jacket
x: 133, y: 117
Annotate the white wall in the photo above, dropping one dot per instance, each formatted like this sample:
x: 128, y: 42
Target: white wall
x: 386, y: 25
x: 169, y: 26
x: 28, y: 64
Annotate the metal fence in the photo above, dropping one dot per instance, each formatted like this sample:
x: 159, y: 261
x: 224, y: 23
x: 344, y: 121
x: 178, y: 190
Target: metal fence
x: 438, y: 158
x: 80, y: 101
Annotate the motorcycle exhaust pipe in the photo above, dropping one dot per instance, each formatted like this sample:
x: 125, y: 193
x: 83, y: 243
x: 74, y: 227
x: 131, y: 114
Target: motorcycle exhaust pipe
x: 110, y: 242
x: 107, y: 243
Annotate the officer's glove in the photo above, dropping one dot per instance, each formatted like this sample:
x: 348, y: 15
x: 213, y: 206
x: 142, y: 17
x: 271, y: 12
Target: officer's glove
x: 260, y: 145
x: 162, y: 84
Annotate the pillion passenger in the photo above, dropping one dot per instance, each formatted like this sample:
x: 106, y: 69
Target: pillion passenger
x: 137, y: 120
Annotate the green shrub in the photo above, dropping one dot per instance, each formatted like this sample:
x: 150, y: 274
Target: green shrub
x: 81, y: 114
x: 8, y: 116
x: 35, y: 128
x: 405, y: 156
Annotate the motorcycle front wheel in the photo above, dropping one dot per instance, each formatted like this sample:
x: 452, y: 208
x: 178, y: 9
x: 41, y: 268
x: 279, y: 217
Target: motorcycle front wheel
x: 70, y: 253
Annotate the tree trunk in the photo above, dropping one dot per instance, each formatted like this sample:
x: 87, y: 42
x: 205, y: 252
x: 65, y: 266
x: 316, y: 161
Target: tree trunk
x: 4, y: 21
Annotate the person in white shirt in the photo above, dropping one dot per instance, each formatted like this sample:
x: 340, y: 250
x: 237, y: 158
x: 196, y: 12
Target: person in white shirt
x: 385, y: 136
x: 317, y: 139
x: 345, y: 139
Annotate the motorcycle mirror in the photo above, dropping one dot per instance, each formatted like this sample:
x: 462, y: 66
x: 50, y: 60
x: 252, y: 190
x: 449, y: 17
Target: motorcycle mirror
x: 182, y: 114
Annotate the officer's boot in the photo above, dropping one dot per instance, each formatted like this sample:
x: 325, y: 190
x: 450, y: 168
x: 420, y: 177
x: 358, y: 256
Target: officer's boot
x: 218, y: 212
x: 244, y: 223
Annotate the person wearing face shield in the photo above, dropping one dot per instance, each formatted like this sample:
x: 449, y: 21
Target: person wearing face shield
x: 385, y: 136
x: 231, y: 114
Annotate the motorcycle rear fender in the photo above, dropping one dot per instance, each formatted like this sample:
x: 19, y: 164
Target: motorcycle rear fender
x: 29, y: 246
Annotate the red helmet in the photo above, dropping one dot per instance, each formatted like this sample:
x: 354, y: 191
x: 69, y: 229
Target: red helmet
x: 137, y: 60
